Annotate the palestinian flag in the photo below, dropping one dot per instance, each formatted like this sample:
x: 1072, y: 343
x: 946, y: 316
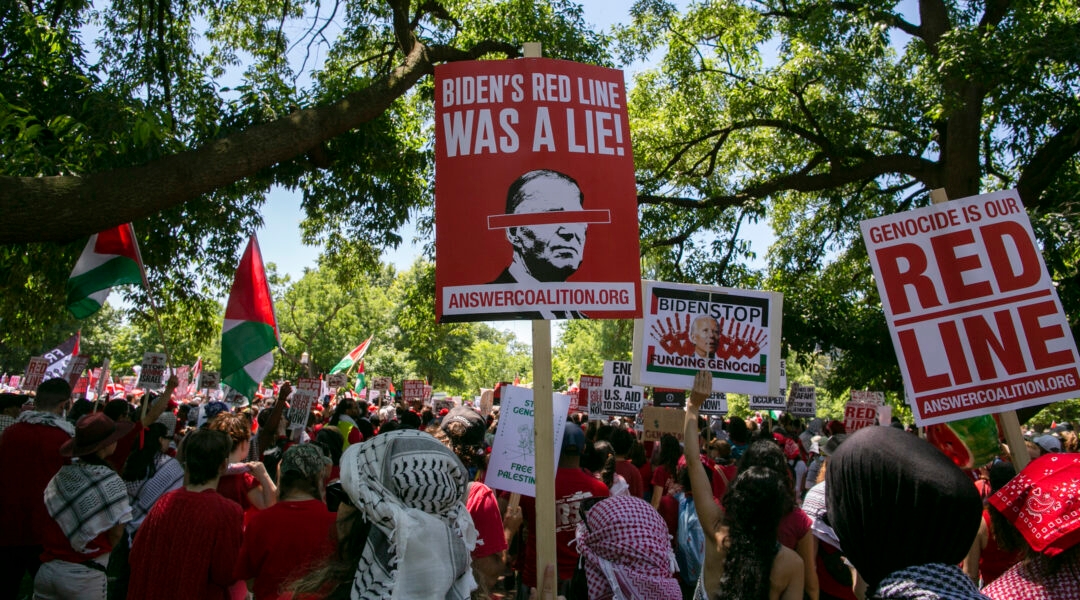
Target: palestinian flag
x: 249, y: 333
x: 350, y: 359
x: 361, y: 380
x: 110, y: 258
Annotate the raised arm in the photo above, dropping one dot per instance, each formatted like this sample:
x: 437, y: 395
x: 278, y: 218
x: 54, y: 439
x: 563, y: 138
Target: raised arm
x: 709, y: 514
x: 154, y: 410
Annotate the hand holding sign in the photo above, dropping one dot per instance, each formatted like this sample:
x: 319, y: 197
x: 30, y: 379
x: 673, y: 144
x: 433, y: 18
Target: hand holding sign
x: 702, y: 389
x: 675, y: 338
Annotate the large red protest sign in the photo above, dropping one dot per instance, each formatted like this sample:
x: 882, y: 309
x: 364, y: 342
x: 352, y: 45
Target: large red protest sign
x: 974, y: 317
x: 535, y: 199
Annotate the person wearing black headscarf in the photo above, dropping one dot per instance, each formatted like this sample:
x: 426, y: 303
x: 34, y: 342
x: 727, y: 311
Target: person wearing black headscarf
x: 905, y: 515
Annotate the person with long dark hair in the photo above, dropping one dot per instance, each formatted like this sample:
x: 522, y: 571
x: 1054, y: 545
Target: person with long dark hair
x: 665, y: 464
x: 743, y: 558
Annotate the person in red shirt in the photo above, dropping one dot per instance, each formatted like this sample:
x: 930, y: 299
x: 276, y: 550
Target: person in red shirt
x: 283, y: 542
x: 29, y: 457
x: 189, y: 543
x: 119, y: 411
x: 621, y: 442
x: 572, y: 486
x: 462, y: 430
x: 246, y: 483
x: 88, y: 505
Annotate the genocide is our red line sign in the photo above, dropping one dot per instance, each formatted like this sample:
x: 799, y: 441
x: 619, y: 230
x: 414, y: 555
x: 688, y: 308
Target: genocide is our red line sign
x: 974, y: 317
x: 535, y: 198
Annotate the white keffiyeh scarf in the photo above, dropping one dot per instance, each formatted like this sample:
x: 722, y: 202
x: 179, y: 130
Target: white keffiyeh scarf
x: 411, y: 489
x: 36, y: 417
x: 86, y: 500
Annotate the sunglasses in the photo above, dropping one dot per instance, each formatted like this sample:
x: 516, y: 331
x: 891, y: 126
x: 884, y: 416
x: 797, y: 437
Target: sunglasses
x: 586, y: 505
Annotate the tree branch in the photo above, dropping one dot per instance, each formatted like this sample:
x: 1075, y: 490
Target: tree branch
x: 1046, y: 163
x: 78, y: 206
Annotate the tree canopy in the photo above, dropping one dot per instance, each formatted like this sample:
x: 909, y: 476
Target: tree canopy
x: 807, y: 115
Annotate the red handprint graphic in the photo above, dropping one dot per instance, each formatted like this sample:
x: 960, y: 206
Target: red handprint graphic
x: 739, y: 341
x: 675, y: 338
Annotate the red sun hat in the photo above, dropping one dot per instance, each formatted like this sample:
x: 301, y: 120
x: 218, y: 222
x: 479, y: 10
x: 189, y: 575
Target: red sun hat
x: 94, y: 432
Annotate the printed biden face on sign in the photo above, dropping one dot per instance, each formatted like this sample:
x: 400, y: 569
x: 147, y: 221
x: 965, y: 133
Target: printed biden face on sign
x: 545, y: 250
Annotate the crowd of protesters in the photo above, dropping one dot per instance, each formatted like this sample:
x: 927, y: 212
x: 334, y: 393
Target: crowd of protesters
x: 206, y: 500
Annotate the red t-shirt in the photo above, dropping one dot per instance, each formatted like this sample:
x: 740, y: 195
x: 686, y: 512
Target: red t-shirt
x: 283, y: 542
x: 29, y: 458
x: 57, y: 546
x: 187, y: 547
x: 793, y: 527
x: 236, y: 488
x: 484, y: 510
x: 571, y: 487
x: 124, y: 446
x: 632, y: 476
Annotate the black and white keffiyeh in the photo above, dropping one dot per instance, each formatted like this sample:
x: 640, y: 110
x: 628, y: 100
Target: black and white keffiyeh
x: 86, y: 500
x: 934, y: 581
x: 168, y: 476
x: 411, y: 489
x: 36, y: 417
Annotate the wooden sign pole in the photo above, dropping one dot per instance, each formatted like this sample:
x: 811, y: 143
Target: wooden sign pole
x: 1009, y: 422
x: 543, y: 415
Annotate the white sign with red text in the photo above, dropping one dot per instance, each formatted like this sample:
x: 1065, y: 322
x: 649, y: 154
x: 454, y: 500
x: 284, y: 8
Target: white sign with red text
x: 975, y: 320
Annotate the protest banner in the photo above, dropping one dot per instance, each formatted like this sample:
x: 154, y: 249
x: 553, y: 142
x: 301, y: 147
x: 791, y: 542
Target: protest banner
x: 714, y: 405
x: 35, y: 373
x: 152, y: 373
x: 657, y: 421
x: 209, y: 380
x: 552, y: 225
x: 974, y: 316
x: 427, y: 393
x: 446, y: 404
x: 82, y: 384
x: 588, y: 392
x: 128, y: 383
x: 14, y: 381
x: 735, y: 334
x: 413, y: 389
x: 619, y: 397
x: 380, y: 383
x: 74, y: 369
x: 802, y: 401
x: 335, y: 381
x: 668, y: 397
x: 768, y: 402
x: 863, y: 408
x: 183, y: 374
x: 513, y: 453
x: 487, y: 401
x: 303, y: 398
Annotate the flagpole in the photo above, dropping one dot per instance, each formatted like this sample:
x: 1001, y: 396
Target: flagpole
x: 150, y: 297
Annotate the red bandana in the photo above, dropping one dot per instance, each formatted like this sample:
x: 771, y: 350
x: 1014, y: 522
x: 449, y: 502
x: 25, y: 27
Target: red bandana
x: 1043, y: 503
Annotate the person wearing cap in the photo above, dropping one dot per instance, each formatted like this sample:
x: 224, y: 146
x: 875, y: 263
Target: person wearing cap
x: 10, y: 407
x: 1048, y: 443
x: 462, y: 430
x: 88, y: 503
x: 573, y: 485
x: 29, y: 457
x: 1036, y: 514
x: 188, y: 544
x: 284, y: 541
